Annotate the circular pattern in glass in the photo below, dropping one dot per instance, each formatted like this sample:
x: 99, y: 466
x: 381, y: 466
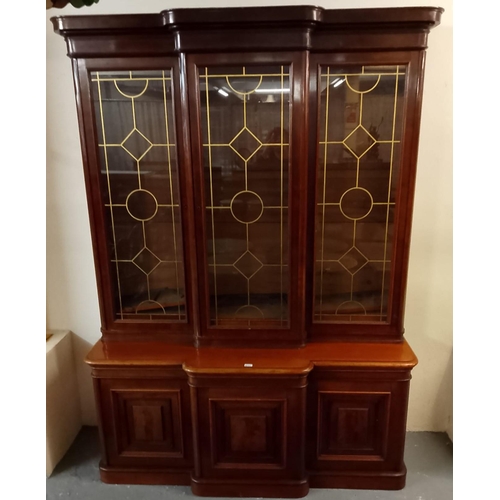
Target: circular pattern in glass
x: 356, y: 203
x: 141, y: 205
x: 247, y: 207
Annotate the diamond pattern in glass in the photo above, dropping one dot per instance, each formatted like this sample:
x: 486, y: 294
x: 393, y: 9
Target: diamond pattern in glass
x: 245, y: 144
x: 146, y: 261
x: 136, y: 144
x: 359, y: 141
x: 248, y: 264
x: 353, y: 260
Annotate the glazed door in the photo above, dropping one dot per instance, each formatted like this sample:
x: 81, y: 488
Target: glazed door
x: 246, y: 116
x: 136, y: 178
x: 363, y: 182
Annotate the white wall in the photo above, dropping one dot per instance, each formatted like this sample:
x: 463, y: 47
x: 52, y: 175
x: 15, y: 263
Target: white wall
x: 71, y: 288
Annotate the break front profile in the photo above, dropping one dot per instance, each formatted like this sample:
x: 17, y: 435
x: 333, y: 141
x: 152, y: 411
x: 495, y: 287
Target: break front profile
x: 250, y: 176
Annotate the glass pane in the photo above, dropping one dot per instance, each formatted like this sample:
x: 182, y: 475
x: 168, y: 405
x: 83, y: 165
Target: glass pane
x: 359, y: 157
x: 139, y: 179
x: 245, y: 132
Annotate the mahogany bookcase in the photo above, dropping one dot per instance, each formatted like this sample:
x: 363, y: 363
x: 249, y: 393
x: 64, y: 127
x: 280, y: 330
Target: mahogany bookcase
x: 250, y: 176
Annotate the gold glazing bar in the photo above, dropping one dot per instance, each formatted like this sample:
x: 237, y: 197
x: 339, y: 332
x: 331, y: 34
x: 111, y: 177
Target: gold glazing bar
x: 248, y: 75
x: 351, y: 317
x: 109, y: 193
x: 163, y: 205
x: 325, y: 153
x: 265, y: 207
x: 129, y: 79
x: 338, y: 204
x: 174, y: 235
x: 338, y: 260
x: 224, y: 145
x: 264, y: 265
x: 354, y: 245
x: 125, y: 99
x: 389, y: 187
x: 358, y: 157
x: 163, y: 261
x: 144, y: 234
x: 281, y: 191
x: 342, y: 142
x: 154, y: 145
x: 245, y: 160
x: 211, y: 192
x: 358, y: 74
x: 137, y: 161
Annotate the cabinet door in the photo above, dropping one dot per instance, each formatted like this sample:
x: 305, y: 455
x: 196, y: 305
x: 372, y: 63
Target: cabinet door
x: 146, y: 422
x: 246, y: 114
x: 250, y: 433
x: 364, y: 176
x: 356, y: 423
x: 134, y: 173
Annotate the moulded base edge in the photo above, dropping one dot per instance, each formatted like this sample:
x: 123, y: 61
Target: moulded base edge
x: 250, y: 488
x: 124, y: 475
x: 359, y: 480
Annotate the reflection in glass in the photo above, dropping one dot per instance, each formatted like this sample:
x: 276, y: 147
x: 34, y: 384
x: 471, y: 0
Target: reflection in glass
x: 245, y: 123
x: 139, y: 179
x: 358, y: 170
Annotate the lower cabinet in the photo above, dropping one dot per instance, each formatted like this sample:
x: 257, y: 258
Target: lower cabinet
x: 249, y: 434
x: 258, y: 435
x: 146, y: 429
x: 356, y: 428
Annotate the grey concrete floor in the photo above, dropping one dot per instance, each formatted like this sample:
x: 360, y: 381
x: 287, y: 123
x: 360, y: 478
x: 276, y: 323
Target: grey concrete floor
x: 428, y: 459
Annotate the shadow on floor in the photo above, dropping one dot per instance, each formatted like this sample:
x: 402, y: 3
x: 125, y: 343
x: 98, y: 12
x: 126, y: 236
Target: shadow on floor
x: 428, y: 457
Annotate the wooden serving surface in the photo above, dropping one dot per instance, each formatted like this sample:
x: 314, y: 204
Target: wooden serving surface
x: 227, y: 360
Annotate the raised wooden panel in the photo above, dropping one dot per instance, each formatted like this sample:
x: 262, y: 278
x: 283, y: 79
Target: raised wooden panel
x: 248, y: 431
x: 148, y: 423
x: 352, y: 424
x: 353, y: 427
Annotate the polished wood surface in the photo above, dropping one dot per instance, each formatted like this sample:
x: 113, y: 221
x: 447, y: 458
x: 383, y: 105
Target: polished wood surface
x: 256, y: 407
x: 208, y: 30
x: 323, y: 354
x: 403, y: 17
